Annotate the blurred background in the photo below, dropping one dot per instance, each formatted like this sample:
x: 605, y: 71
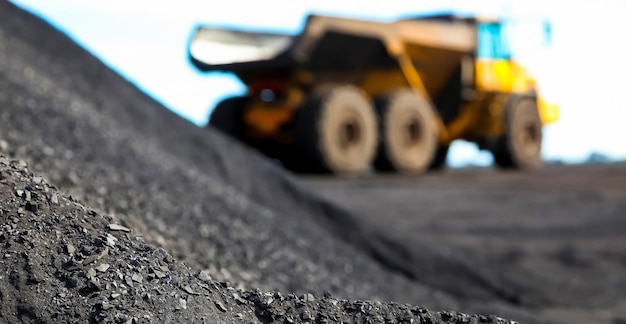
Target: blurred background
x: 582, y: 70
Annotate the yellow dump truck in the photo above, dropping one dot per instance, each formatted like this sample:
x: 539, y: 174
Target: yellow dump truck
x: 348, y: 96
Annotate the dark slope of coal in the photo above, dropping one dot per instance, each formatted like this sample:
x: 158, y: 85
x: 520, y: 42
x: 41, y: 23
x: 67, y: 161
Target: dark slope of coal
x: 63, y: 262
x: 211, y: 203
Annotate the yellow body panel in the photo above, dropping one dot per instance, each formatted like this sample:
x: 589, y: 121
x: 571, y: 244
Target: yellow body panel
x: 510, y: 77
x: 503, y: 76
x: 549, y: 112
x: 480, y: 117
x: 382, y: 81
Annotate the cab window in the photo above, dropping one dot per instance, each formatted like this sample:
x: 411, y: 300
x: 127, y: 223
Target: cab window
x: 492, y: 42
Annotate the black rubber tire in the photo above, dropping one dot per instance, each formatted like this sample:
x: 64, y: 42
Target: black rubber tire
x: 409, y: 132
x: 439, y: 160
x: 520, y: 146
x: 336, y: 131
x: 227, y: 117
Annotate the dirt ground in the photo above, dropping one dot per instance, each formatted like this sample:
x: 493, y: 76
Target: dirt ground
x: 555, y: 238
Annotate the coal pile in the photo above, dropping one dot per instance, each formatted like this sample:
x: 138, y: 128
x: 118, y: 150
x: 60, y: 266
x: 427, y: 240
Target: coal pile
x: 216, y: 207
x: 64, y: 262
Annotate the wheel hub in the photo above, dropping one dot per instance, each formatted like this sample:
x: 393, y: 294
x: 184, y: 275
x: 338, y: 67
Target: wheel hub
x: 412, y: 133
x: 350, y: 133
x: 530, y: 136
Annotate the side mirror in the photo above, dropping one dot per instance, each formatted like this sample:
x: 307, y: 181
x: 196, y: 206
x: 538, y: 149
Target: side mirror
x: 547, y: 33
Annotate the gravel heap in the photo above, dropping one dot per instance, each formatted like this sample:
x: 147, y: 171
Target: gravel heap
x: 216, y: 207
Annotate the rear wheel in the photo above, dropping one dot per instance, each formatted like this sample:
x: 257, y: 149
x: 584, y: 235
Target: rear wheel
x: 227, y: 117
x: 409, y: 132
x: 336, y: 131
x: 520, y: 146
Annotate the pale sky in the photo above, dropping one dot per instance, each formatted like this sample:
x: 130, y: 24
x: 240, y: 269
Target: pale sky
x: 146, y: 41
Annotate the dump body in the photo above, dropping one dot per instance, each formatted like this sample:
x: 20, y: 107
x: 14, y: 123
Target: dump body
x: 456, y: 64
x: 338, y: 45
x: 321, y: 37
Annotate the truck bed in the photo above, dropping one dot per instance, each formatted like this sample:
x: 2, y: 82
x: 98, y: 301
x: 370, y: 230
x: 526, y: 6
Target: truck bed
x: 326, y: 43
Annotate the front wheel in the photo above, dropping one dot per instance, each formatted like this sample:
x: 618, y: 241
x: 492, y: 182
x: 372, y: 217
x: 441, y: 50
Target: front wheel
x: 520, y: 146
